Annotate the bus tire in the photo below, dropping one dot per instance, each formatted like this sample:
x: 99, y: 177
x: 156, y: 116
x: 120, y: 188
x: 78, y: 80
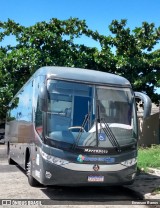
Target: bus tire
x: 31, y: 180
x: 10, y: 161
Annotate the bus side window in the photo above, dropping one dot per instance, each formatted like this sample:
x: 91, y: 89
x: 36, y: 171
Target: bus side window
x: 38, y: 119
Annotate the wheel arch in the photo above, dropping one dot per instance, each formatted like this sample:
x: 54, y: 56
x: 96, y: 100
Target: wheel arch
x: 27, y: 155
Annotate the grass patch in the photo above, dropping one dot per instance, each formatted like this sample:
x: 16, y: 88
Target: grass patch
x: 149, y: 157
x: 156, y: 191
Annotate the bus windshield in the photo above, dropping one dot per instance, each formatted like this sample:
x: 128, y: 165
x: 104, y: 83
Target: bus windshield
x: 73, y: 118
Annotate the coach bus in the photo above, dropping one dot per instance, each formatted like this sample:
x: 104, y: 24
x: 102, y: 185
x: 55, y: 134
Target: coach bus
x: 74, y: 127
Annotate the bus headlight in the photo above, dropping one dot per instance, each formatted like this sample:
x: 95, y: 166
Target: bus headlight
x: 130, y: 162
x: 53, y: 159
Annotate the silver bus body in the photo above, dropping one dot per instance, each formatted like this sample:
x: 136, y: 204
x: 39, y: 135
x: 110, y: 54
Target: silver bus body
x: 73, y: 126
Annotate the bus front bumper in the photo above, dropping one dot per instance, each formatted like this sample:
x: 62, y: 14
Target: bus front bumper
x: 57, y: 175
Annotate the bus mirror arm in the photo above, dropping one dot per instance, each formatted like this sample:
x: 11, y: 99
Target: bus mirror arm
x: 43, y: 99
x: 147, y: 103
x: 42, y: 104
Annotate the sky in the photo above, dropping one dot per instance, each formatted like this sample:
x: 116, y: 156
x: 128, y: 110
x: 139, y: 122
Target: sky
x: 97, y: 13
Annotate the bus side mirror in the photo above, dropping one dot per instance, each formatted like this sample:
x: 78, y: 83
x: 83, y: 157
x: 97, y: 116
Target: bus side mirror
x: 146, y: 102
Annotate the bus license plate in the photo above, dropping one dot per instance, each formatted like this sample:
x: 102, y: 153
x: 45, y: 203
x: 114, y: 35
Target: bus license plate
x: 95, y: 178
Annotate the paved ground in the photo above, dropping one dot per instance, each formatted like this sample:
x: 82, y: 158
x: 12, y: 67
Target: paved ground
x: 146, y: 183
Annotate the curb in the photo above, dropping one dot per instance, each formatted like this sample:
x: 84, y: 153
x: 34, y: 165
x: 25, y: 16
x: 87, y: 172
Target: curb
x: 154, y: 171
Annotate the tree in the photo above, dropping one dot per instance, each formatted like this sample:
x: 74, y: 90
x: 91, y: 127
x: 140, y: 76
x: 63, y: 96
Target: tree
x: 39, y: 45
x: 135, y: 59
x: 53, y: 43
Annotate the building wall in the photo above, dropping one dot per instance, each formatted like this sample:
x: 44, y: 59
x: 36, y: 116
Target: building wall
x: 149, y: 130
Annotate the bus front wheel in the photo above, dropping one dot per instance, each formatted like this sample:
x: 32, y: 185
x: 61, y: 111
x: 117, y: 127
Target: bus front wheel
x: 31, y: 180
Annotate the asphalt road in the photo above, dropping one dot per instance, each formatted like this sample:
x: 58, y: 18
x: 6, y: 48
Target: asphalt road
x: 14, y: 185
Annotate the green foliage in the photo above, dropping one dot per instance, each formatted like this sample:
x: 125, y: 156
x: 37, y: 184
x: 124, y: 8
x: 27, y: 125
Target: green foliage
x: 149, y: 157
x: 53, y: 43
x: 135, y: 60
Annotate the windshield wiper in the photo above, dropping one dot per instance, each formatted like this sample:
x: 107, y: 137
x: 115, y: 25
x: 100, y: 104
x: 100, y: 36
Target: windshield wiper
x: 109, y: 134
x: 106, y: 130
x: 105, y: 127
x: 87, y: 116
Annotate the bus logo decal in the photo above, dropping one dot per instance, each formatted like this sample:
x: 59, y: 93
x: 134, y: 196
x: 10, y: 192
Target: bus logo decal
x: 80, y: 158
x: 96, y: 151
x: 96, y: 167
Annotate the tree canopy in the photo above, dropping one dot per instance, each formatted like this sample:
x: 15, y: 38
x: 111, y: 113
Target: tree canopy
x: 126, y: 52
